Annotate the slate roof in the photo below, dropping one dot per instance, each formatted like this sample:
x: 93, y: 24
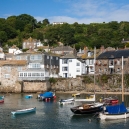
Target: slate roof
x: 69, y: 56
x: 114, y: 54
x: 63, y: 48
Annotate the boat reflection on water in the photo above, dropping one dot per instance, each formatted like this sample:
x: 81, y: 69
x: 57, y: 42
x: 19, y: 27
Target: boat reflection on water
x: 112, y: 123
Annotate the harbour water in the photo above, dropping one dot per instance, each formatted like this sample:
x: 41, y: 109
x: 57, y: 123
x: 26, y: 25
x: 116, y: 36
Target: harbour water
x: 50, y: 115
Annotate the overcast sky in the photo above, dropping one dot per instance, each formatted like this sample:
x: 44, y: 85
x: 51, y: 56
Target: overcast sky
x: 70, y: 11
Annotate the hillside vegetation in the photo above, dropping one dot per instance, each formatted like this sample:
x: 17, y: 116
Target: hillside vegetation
x: 15, y: 29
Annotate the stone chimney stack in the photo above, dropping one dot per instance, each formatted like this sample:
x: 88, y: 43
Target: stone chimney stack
x: 102, y: 49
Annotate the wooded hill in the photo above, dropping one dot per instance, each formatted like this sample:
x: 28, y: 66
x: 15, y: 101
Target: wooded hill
x: 14, y: 29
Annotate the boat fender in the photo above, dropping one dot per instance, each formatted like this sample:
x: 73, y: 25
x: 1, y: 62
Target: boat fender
x: 125, y: 115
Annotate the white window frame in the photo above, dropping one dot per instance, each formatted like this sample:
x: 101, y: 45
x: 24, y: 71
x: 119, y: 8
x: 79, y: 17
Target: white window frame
x: 7, y: 75
x: 36, y: 57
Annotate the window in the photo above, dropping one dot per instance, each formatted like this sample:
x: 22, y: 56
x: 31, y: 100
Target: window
x: 70, y: 60
x: 64, y: 69
x: 25, y: 74
x: 118, y: 69
x: 19, y: 69
x: 56, y: 58
x: 47, y: 57
x: 77, y: 70
x: 90, y: 62
x: 7, y: 75
x: 51, y: 57
x: 18, y: 57
x: 35, y: 57
x: 77, y: 64
x: 110, y: 62
x: 20, y: 74
x: 34, y: 65
x: 42, y: 74
x: 8, y: 68
x: 105, y: 70
x: 29, y: 74
x: 64, y: 61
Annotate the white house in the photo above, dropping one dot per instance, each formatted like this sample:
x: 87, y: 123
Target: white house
x: 17, y: 52
x: 71, y: 66
x: 2, y: 55
x: 13, y: 49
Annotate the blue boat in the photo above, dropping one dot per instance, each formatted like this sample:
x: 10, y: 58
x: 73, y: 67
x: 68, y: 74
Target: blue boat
x: 28, y: 96
x: 1, y: 97
x: 23, y: 111
x: 47, y: 95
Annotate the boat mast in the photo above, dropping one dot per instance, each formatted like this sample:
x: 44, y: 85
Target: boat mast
x: 94, y: 67
x: 122, y: 82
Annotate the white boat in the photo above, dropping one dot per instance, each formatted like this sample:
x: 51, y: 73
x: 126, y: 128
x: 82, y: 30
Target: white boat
x: 91, y: 98
x: 115, y: 111
x: 66, y: 101
x: 28, y: 110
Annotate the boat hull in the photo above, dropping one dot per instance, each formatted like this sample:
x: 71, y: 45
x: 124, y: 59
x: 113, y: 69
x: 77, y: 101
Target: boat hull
x: 67, y: 101
x: 23, y: 111
x: 1, y: 100
x: 103, y: 116
x: 93, y: 110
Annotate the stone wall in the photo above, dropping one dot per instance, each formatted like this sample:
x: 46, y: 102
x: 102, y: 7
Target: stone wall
x: 31, y: 87
x: 35, y: 86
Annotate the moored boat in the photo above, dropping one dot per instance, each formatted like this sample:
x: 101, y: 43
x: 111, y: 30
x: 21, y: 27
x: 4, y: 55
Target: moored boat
x: 76, y: 94
x: 109, y: 101
x: 87, y: 108
x: 1, y: 100
x: 28, y: 96
x: 22, y: 111
x: 47, y: 96
x: 1, y: 97
x: 118, y: 111
x: 91, y: 98
x: 66, y: 101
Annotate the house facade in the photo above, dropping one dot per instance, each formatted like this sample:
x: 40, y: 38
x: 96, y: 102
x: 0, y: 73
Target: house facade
x: 110, y: 62
x: 40, y: 66
x: 71, y: 66
x: 9, y: 71
x: 31, y: 43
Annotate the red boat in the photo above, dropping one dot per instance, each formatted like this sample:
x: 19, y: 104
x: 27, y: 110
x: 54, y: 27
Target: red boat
x: 1, y: 100
x: 110, y: 101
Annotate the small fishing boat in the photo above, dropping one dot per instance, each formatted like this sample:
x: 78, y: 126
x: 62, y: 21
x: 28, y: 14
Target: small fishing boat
x: 28, y: 110
x: 46, y: 96
x: 1, y: 100
x: 91, y: 98
x: 112, y: 112
x: 75, y: 95
x: 66, y: 101
x: 110, y: 101
x: 28, y: 96
x: 1, y: 97
x: 87, y: 108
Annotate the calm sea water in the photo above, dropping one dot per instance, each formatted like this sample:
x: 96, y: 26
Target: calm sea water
x: 50, y: 115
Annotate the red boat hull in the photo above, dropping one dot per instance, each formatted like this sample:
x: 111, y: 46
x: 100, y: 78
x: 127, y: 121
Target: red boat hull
x: 2, y: 101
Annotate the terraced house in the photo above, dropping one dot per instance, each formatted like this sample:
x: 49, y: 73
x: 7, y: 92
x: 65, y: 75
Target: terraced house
x: 39, y: 67
x: 110, y: 62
